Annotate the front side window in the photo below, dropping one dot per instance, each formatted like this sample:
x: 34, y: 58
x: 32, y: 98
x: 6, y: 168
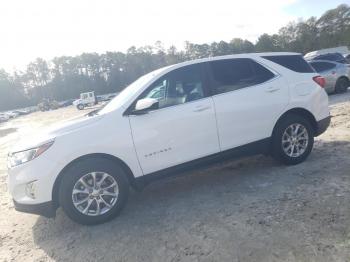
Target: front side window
x: 129, y: 92
x: 233, y: 74
x: 158, y: 90
x: 177, y: 87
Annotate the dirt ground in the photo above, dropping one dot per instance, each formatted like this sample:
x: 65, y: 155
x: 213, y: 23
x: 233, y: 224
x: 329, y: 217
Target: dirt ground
x: 252, y: 209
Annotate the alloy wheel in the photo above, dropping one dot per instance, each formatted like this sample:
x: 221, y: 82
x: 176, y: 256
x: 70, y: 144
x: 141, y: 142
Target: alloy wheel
x: 295, y: 140
x: 95, y: 193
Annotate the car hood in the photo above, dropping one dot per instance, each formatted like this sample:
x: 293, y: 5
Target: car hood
x: 72, y: 125
x: 54, y: 131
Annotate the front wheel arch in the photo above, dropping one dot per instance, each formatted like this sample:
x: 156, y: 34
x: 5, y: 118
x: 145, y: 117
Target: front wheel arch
x: 116, y: 160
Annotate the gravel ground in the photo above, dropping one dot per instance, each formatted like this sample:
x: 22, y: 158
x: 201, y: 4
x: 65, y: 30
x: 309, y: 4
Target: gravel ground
x: 252, y: 209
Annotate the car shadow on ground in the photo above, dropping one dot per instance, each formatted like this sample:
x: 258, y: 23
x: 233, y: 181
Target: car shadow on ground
x: 169, y: 211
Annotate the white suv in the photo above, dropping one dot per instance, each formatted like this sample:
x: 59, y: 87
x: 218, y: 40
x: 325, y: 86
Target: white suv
x: 178, y: 117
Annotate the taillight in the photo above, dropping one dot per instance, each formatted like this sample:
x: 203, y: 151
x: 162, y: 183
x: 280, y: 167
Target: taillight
x: 320, y: 80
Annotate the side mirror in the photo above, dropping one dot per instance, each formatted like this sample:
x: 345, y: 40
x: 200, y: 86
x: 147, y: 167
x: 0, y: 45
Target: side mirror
x: 144, y: 105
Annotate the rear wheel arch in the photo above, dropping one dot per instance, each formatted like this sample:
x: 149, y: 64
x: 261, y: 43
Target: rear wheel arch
x: 292, y: 147
x: 114, y: 159
x: 300, y: 112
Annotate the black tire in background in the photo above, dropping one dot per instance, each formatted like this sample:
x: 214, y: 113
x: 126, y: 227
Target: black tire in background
x: 78, y: 170
x: 342, y: 85
x: 278, y: 135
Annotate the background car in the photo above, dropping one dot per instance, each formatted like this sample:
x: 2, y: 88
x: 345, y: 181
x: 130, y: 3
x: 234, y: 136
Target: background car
x: 12, y: 114
x: 21, y: 112
x: 110, y: 97
x: 48, y: 104
x: 331, y: 54
x: 335, y: 57
x: 336, y: 75
x: 347, y: 58
x: 4, y: 117
x: 65, y: 103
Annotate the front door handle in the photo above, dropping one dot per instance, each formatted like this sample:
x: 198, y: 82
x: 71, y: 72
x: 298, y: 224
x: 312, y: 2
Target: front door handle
x: 201, y: 108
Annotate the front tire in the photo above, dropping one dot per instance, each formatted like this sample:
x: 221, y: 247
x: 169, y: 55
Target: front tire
x: 93, y: 191
x: 292, y: 140
x: 80, y: 106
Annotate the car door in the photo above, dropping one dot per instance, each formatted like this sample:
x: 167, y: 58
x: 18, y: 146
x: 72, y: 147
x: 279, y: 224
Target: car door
x: 183, y: 128
x: 248, y: 100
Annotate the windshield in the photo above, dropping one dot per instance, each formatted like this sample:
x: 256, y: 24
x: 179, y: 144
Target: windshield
x: 129, y: 92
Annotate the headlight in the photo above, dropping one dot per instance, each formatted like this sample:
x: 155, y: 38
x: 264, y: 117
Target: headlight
x: 17, y: 158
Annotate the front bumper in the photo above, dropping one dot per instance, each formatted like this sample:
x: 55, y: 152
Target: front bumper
x: 322, y: 125
x: 31, y: 184
x: 46, y: 209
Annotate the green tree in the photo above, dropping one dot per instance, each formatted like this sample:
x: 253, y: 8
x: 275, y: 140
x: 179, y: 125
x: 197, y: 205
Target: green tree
x: 67, y: 76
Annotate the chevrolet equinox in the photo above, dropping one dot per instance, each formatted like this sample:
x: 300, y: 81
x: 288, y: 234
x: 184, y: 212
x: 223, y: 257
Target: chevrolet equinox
x: 175, y: 118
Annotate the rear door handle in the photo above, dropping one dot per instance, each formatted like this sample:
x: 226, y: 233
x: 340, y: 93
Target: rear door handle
x: 272, y: 89
x: 201, y: 108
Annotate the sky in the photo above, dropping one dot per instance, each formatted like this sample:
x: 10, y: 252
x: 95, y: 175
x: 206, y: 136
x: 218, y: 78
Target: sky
x: 49, y: 28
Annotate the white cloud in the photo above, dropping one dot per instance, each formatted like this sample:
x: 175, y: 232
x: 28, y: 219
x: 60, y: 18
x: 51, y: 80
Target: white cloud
x: 41, y: 28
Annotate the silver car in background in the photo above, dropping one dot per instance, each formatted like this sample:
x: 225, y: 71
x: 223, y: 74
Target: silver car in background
x: 336, y: 74
x: 347, y: 58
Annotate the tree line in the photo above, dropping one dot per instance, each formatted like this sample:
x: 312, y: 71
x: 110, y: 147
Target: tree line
x: 66, y: 77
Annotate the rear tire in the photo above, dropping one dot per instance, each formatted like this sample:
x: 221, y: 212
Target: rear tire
x: 342, y: 85
x: 98, y: 201
x: 292, y: 140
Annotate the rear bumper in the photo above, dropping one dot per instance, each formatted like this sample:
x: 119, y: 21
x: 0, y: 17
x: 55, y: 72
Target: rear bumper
x: 322, y: 125
x: 46, y: 209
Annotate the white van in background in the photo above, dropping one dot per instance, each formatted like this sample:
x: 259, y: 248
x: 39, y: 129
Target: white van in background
x: 86, y: 99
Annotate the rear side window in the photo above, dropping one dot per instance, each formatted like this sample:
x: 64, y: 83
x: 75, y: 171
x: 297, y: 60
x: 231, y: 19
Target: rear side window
x: 233, y: 74
x: 295, y: 63
x: 322, y: 66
